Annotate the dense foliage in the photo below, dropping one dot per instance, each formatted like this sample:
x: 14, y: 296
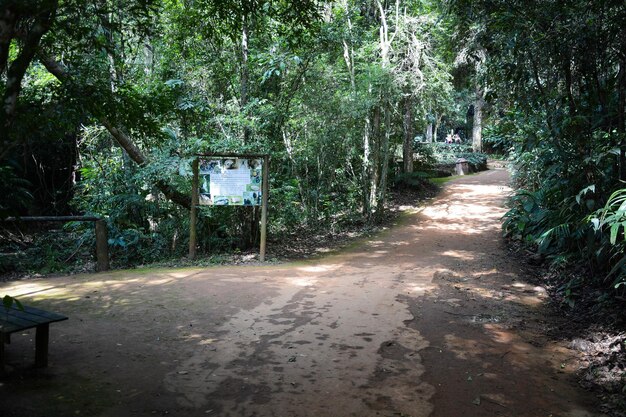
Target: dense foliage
x: 112, y: 99
x: 555, y: 75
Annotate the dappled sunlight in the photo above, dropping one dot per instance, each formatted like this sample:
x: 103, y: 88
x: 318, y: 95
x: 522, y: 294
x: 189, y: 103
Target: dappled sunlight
x: 419, y: 289
x: 159, y: 281
x: 21, y: 289
x: 461, y: 229
x: 473, y: 215
x: 507, y: 347
x: 89, y: 289
x: 498, y: 334
x: 464, y: 349
x: 184, y: 274
x: 497, y: 398
x: 482, y: 190
x: 400, y: 243
x: 302, y: 281
x: 460, y: 254
x: 480, y: 274
x: 318, y: 268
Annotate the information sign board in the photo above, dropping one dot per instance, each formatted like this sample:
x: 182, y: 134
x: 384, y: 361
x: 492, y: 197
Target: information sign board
x: 230, y: 181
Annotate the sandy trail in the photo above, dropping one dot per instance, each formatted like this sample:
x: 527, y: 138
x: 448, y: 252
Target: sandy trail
x: 431, y: 317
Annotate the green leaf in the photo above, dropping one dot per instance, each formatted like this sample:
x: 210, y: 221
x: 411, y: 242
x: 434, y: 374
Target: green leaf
x: 591, y: 188
x: 614, y: 230
x: 7, y: 301
x: 596, y: 223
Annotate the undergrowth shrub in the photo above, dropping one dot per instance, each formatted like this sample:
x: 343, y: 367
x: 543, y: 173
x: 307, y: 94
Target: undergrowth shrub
x: 429, y: 155
x: 569, y: 206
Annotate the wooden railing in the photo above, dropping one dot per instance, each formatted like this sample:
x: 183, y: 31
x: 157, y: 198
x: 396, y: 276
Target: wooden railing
x: 102, y: 244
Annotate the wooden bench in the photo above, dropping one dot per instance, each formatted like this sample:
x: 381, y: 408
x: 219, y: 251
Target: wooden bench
x: 15, y: 320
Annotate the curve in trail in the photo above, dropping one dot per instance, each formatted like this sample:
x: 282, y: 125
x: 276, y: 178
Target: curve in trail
x: 346, y: 342
x: 425, y: 319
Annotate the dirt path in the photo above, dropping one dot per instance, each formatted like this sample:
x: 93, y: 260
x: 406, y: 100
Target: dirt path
x: 430, y: 319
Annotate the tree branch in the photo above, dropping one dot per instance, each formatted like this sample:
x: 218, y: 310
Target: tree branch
x: 62, y: 74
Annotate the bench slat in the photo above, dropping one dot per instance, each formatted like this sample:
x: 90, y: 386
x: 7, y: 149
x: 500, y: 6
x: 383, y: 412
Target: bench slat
x: 43, y: 313
x: 14, y: 320
x: 11, y: 324
x: 35, y: 315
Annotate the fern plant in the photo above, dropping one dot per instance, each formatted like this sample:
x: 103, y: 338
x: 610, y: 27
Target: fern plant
x: 610, y: 223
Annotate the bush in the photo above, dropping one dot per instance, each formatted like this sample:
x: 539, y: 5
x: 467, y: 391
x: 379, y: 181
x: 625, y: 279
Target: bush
x: 431, y: 155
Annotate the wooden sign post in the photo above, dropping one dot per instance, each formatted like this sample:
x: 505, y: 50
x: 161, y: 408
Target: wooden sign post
x: 193, y: 233
x: 195, y: 199
x: 265, y: 192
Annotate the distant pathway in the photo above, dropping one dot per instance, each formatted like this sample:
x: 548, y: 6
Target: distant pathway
x: 431, y: 317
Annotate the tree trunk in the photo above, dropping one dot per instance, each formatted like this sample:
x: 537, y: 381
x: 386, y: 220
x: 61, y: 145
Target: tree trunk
x: 244, y: 75
x: 348, y: 58
x: 348, y: 51
x: 382, y: 185
x: 621, y: 122
x: 477, y: 128
x: 407, y: 143
x: 193, y: 215
x: 367, y: 167
x: 429, y: 133
x: 42, y: 21
x: 375, y: 158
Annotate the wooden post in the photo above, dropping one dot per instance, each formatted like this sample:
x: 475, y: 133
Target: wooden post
x: 2, y: 354
x: 102, y: 246
x: 42, y: 336
x: 194, y: 210
x: 264, y: 195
